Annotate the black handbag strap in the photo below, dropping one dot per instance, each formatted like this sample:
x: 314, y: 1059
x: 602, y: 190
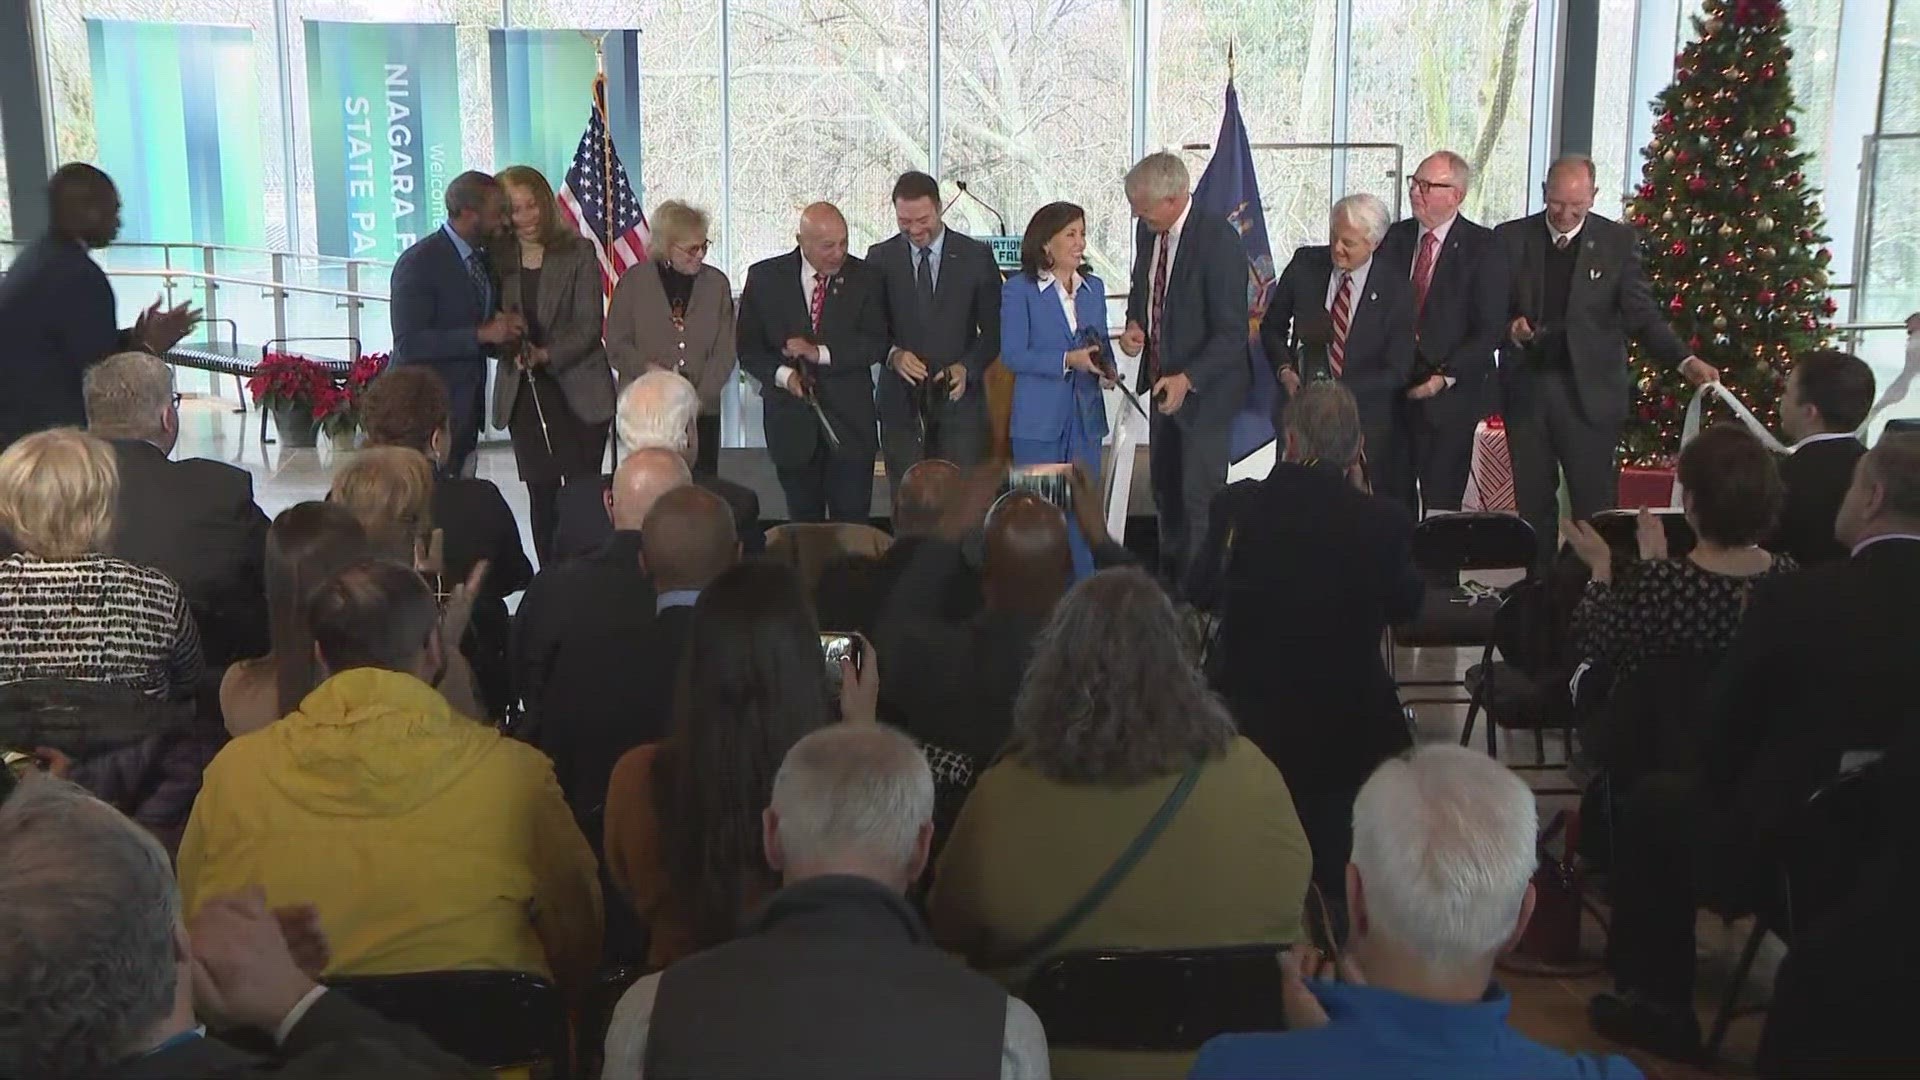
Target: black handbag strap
x: 1057, y: 931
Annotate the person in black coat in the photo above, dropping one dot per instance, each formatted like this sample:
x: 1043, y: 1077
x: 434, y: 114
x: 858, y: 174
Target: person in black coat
x: 658, y: 410
x: 1311, y: 570
x: 1827, y: 398
x: 1370, y: 304
x: 811, y: 327
x: 1821, y: 668
x: 1459, y: 308
x: 1577, y: 293
x: 1187, y: 321
x: 941, y: 294
x: 57, y: 309
x: 446, y: 305
x: 194, y: 520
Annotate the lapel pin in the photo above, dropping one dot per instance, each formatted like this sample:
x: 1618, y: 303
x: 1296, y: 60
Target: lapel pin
x: 1373, y: 296
x: 1593, y: 275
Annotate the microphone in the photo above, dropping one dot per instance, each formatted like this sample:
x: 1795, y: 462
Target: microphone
x: 961, y: 186
x: 1313, y: 340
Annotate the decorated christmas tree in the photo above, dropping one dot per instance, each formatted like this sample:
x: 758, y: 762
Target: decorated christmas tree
x: 1733, y: 231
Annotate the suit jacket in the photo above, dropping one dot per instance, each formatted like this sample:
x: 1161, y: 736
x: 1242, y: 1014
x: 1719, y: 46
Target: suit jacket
x: 962, y: 325
x: 435, y: 312
x: 57, y: 307
x: 1048, y: 399
x: 1314, y: 574
x: 640, y: 331
x: 476, y: 523
x: 1205, y: 335
x: 195, y: 521
x: 853, y: 327
x: 1379, y: 350
x: 1608, y: 302
x: 1822, y: 665
x: 1465, y: 316
x: 335, y: 1039
x: 583, y: 524
x: 1817, y: 476
x: 569, y: 312
x: 602, y: 594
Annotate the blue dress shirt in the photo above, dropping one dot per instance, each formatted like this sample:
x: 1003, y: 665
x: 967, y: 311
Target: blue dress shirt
x: 1373, y: 1033
x: 465, y: 251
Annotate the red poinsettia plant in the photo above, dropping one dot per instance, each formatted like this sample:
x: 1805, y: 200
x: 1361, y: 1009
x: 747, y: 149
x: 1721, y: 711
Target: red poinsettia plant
x: 290, y: 381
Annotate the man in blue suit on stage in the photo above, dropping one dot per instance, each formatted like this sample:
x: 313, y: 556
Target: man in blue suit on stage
x: 446, y: 298
x: 1187, y: 309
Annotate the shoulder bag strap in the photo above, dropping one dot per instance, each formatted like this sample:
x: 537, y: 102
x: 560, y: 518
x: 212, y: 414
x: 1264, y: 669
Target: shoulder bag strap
x: 1067, y: 923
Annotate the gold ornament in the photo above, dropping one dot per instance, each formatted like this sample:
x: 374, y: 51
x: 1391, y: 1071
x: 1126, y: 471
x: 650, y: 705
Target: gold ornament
x: 1726, y: 230
x: 1668, y: 156
x: 1667, y: 216
x: 1706, y: 286
x: 1764, y: 224
x: 1766, y: 252
x: 1750, y: 136
x: 1719, y: 322
x: 1712, y: 27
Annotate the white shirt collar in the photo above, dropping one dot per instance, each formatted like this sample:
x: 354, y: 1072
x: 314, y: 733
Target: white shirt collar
x: 1872, y: 540
x: 1439, y: 232
x: 807, y: 269
x: 1554, y: 234
x: 1821, y: 437
x: 1047, y: 279
x: 1181, y: 224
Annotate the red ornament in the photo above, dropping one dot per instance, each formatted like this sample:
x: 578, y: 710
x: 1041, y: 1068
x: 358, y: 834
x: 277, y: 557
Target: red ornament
x: 1786, y: 126
x: 1809, y: 323
x: 1793, y: 179
x: 1739, y: 191
x: 1683, y: 158
x: 1645, y: 190
x: 1765, y: 297
x: 1676, y: 305
x: 1697, y: 184
x: 1823, y: 256
x: 1829, y: 306
x: 1730, y: 260
x: 1769, y: 163
x: 1678, y: 249
x: 1693, y: 343
x: 1641, y: 221
x: 1768, y: 71
x: 1792, y: 288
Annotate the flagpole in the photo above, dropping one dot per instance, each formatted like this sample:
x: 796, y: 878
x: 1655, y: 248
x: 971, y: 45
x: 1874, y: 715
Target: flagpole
x: 606, y: 137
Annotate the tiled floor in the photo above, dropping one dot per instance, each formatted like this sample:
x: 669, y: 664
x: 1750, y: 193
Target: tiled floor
x: 1549, y: 1008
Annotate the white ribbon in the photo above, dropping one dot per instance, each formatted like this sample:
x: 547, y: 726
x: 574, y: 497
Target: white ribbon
x: 1690, y: 425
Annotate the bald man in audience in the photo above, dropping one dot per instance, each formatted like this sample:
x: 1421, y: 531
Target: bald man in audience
x: 811, y: 328
x: 951, y: 682
x: 688, y: 541
x: 604, y: 600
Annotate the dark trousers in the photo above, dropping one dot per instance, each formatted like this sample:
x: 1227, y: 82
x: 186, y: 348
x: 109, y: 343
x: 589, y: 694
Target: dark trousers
x: 1188, y: 467
x: 706, y: 463
x: 1549, y: 434
x: 956, y: 431
x: 829, y: 486
x: 1673, y: 853
x: 562, y: 449
x: 466, y: 410
x: 1439, y: 446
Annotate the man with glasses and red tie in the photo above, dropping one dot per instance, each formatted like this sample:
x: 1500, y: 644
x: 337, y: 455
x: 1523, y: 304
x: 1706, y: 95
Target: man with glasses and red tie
x: 1460, y: 315
x: 811, y: 329
x: 1577, y: 293
x: 1338, y: 312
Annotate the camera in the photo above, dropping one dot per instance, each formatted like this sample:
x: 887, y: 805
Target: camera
x: 838, y: 645
x: 1053, y: 482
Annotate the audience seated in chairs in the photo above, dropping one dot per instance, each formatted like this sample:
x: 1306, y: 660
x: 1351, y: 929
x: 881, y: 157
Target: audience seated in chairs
x: 1826, y: 402
x: 660, y: 410
x: 1821, y: 666
x: 103, y: 980
x: 193, y: 520
x: 407, y: 407
x: 835, y: 976
x: 308, y: 543
x: 427, y: 842
x: 111, y: 647
x: 389, y: 490
x: 1117, y: 741
x: 951, y: 681
x: 853, y: 589
x: 683, y: 832
x: 1308, y: 569
x: 578, y: 613
x: 1440, y: 885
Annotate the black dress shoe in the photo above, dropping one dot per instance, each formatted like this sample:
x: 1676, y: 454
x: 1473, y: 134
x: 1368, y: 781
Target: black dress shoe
x: 1632, y: 1019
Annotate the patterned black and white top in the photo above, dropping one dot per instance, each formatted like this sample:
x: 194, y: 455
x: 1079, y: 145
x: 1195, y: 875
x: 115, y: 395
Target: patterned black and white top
x: 1663, y: 608
x: 96, y: 619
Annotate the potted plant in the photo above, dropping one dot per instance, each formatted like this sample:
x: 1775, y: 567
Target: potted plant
x: 342, y: 409
x: 299, y: 392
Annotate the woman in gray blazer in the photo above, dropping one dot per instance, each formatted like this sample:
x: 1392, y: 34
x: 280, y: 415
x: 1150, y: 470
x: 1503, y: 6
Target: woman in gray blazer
x: 675, y: 312
x: 555, y: 392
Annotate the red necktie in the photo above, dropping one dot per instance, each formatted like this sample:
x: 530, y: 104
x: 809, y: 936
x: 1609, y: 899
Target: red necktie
x: 1423, y: 271
x: 1342, y: 310
x: 1158, y: 308
x: 819, y: 301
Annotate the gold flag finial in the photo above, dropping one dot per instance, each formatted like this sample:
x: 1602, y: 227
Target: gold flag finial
x: 1229, y: 59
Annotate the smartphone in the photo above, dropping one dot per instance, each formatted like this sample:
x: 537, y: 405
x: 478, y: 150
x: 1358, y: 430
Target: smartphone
x: 1053, y: 483
x: 838, y: 645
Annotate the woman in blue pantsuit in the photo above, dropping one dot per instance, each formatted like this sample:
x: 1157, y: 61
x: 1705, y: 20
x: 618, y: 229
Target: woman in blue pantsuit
x: 1053, y: 337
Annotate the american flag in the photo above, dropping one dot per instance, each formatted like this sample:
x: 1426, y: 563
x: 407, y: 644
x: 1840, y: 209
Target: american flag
x: 598, y: 201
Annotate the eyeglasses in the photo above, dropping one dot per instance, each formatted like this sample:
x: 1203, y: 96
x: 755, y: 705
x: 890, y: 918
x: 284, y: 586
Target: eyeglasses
x: 178, y: 397
x: 700, y: 248
x: 1426, y: 187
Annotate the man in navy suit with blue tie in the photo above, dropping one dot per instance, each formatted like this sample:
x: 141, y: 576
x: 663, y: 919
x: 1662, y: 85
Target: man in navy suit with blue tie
x: 445, y: 305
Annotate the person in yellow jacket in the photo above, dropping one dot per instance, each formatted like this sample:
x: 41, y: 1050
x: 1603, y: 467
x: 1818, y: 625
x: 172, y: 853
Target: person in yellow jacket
x: 427, y: 841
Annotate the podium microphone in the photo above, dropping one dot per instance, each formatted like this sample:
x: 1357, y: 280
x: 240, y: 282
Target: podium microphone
x: 961, y: 187
x: 1313, y: 342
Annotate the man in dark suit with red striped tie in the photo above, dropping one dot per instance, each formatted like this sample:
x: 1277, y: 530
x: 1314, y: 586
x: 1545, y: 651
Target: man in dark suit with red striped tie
x: 1369, y: 348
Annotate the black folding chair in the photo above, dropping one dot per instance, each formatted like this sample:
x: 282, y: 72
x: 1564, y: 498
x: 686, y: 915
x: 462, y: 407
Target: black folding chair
x: 492, y: 1019
x: 1165, y: 1000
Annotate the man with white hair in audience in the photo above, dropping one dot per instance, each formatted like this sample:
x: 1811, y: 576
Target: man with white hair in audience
x: 1441, y: 884
x: 1338, y: 313
x: 660, y: 411
x: 193, y: 520
x: 836, y: 977
x: 100, y: 978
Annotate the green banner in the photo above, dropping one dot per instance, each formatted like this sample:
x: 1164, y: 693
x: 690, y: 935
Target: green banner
x: 384, y: 107
x: 176, y: 114
x: 543, y: 93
